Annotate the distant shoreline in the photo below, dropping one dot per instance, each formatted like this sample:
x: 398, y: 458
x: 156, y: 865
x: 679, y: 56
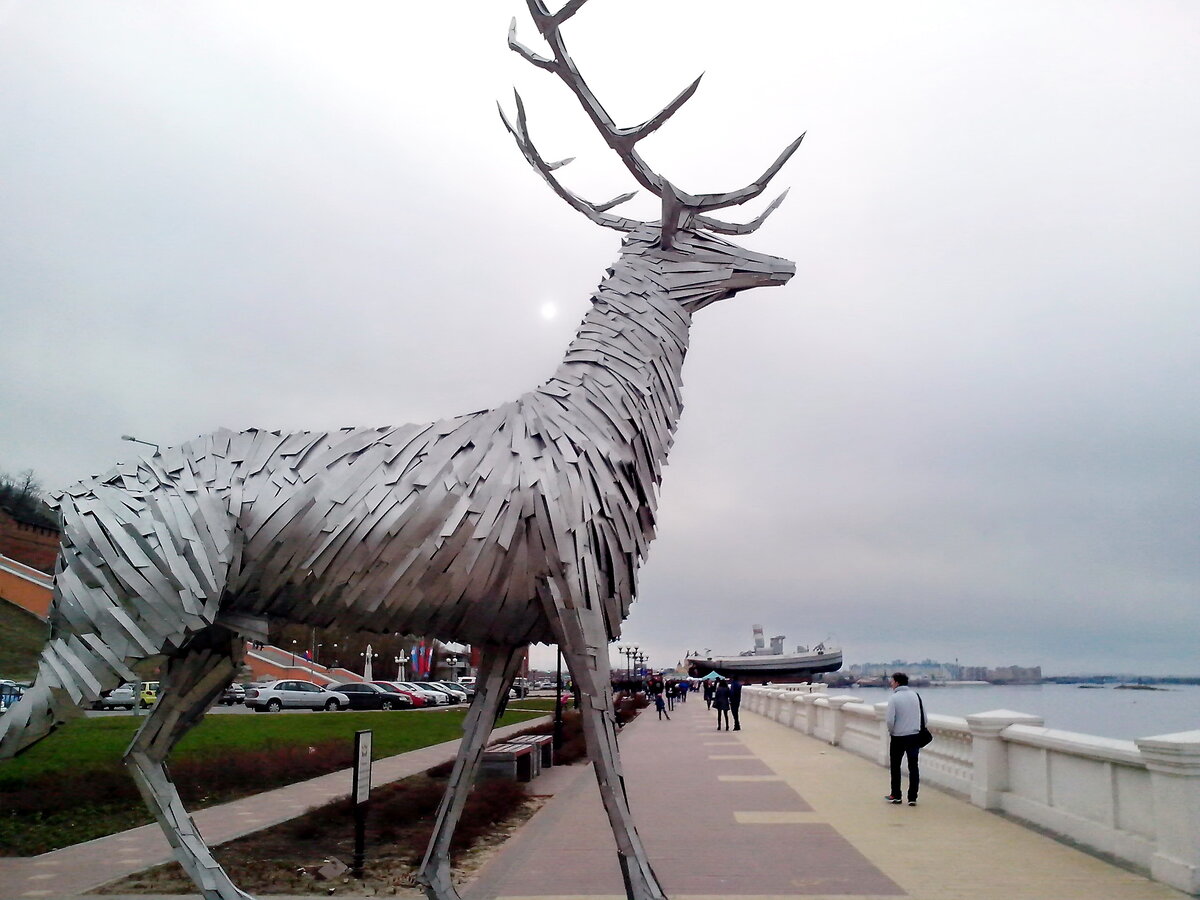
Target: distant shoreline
x: 1121, y: 682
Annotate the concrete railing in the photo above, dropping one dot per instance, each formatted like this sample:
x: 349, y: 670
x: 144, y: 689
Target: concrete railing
x: 1135, y: 801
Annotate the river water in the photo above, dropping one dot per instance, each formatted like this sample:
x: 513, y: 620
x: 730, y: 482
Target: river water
x: 1103, y: 711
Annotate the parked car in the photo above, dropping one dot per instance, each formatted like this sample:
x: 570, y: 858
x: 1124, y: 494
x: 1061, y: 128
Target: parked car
x: 234, y: 694
x: 457, y: 694
x: 294, y: 695
x: 149, y: 694
x: 121, y: 697
x: 372, y: 696
x: 417, y: 699
x: 431, y: 697
x: 452, y: 696
x: 10, y: 693
x: 460, y: 688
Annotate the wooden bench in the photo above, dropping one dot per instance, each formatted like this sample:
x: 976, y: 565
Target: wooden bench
x: 544, y: 744
x: 510, y: 760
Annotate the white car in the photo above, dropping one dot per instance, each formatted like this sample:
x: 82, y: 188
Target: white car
x: 293, y: 695
x: 457, y: 695
x: 432, y: 698
x: 459, y: 689
x: 118, y: 698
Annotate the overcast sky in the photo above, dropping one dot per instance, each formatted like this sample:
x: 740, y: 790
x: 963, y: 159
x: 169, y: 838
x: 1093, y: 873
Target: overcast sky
x: 967, y: 429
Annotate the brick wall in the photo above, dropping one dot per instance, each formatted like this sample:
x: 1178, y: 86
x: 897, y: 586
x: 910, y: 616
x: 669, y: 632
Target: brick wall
x: 31, y: 544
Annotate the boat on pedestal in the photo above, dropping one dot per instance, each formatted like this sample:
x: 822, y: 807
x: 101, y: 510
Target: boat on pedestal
x: 773, y: 662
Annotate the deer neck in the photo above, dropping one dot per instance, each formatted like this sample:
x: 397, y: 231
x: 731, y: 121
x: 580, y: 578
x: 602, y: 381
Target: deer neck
x: 623, y: 370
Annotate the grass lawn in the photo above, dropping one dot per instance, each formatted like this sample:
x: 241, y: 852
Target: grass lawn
x: 22, y: 636
x: 542, y: 704
x: 72, y: 786
x: 90, y: 742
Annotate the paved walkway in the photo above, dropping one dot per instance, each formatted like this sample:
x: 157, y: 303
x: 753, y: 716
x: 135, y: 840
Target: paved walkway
x: 764, y: 813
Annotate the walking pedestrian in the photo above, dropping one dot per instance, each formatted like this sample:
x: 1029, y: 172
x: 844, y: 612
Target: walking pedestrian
x: 721, y: 702
x: 905, y: 715
x: 661, y: 705
x: 735, y: 701
x: 708, y: 693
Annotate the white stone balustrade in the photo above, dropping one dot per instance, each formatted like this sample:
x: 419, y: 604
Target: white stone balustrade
x: 1137, y: 802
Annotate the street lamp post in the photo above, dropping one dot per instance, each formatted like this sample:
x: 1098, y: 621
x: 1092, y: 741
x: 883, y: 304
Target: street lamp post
x: 452, y: 664
x: 293, y: 653
x: 558, y: 704
x: 130, y: 437
x: 630, y: 653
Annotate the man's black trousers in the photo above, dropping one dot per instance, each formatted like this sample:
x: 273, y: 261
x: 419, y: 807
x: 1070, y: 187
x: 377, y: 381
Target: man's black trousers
x: 905, y: 745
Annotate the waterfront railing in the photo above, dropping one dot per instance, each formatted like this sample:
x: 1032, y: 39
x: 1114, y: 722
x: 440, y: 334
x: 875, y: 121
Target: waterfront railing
x: 1135, y: 802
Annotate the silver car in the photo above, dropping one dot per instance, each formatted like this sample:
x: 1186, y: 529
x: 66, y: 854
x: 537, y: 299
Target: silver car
x: 293, y: 695
x: 457, y: 690
x: 121, y: 697
x: 432, y: 697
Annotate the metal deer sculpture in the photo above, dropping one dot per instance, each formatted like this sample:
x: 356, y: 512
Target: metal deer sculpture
x: 524, y: 523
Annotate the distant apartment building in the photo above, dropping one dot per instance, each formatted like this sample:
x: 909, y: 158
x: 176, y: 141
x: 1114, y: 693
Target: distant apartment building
x: 936, y: 671
x: 1015, y: 675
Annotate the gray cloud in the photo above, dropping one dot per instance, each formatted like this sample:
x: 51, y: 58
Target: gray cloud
x: 967, y: 429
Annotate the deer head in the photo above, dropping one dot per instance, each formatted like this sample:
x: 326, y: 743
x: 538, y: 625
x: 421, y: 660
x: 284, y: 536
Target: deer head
x: 682, y: 243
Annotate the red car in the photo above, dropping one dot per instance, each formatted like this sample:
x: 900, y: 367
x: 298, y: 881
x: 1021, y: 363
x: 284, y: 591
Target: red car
x: 417, y: 700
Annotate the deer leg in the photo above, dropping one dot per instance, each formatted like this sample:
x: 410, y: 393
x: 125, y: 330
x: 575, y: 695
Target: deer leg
x: 196, y: 676
x: 497, y: 668
x: 583, y: 640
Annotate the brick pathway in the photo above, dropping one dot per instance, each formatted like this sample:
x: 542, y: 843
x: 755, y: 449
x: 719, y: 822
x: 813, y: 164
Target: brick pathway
x: 767, y: 813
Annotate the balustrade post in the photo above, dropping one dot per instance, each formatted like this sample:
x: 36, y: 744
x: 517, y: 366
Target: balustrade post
x: 989, y: 753
x: 788, y: 715
x: 810, y: 713
x: 1173, y: 761
x: 839, y: 717
x: 885, y: 739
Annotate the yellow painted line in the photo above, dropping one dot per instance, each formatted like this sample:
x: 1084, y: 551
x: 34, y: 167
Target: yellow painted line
x: 775, y: 818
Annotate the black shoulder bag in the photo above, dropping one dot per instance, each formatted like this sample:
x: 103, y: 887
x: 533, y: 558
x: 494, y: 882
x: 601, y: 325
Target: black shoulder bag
x: 924, y: 736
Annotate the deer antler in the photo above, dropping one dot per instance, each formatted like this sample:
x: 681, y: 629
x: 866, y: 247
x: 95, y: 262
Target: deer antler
x: 680, y: 209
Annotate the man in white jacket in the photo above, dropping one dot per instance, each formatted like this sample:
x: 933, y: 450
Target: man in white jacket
x: 904, y: 723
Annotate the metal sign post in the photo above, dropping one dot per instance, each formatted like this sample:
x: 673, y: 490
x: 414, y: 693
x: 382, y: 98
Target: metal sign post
x: 362, y: 794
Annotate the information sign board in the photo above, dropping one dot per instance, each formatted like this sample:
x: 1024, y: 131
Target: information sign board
x: 362, y: 766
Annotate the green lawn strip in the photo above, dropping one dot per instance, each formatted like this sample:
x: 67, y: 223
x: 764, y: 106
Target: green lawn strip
x: 541, y: 704
x: 90, y: 742
x: 22, y: 636
x: 92, y: 748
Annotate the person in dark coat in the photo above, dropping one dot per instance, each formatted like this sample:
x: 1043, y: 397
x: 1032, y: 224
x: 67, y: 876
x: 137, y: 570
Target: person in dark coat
x: 661, y: 705
x: 735, y: 701
x: 721, y: 702
x: 708, y: 694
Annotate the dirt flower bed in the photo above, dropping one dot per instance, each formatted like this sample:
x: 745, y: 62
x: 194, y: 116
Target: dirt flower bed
x: 287, y: 858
